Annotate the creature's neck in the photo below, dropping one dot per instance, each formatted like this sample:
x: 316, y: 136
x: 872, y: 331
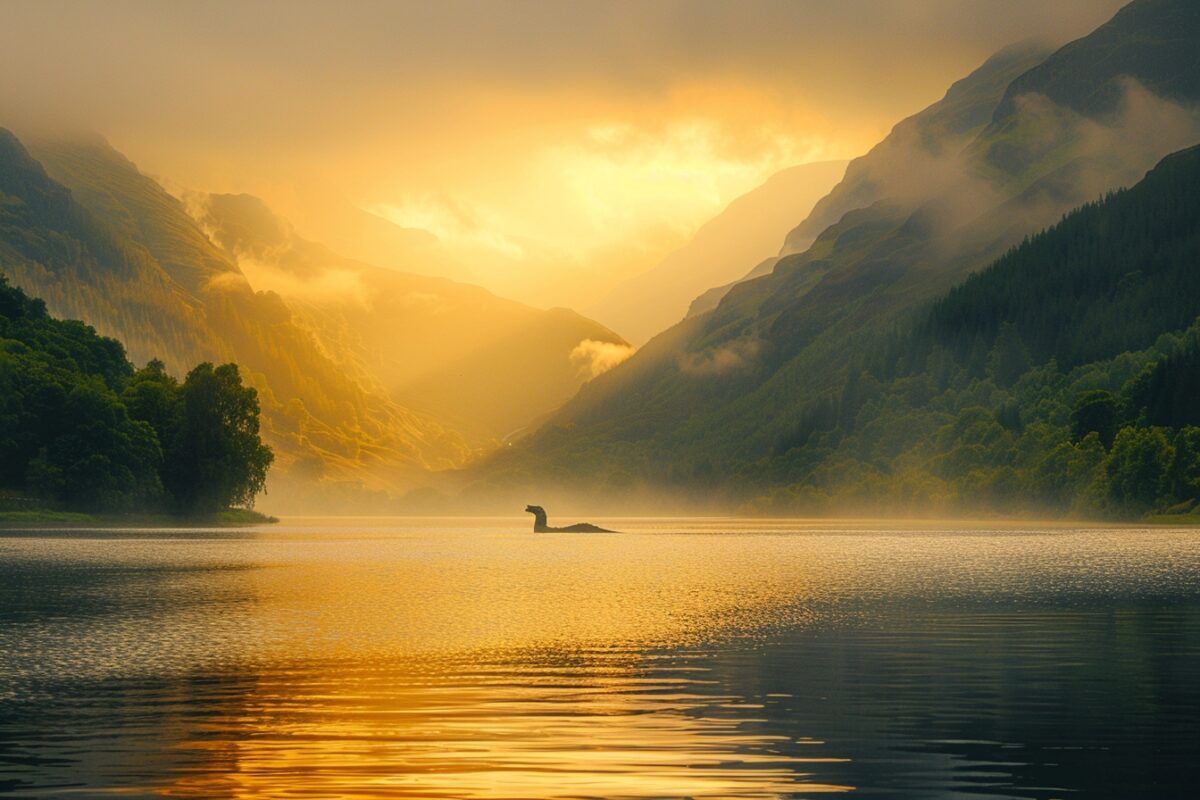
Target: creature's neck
x: 539, y: 521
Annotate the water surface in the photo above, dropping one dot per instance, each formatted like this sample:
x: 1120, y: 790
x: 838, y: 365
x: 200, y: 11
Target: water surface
x: 681, y: 658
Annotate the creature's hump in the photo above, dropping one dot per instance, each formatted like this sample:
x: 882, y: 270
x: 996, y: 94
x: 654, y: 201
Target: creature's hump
x: 585, y: 527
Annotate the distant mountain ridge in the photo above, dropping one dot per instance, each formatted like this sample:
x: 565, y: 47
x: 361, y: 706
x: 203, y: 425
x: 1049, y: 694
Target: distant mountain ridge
x: 349, y: 403
x: 484, y: 365
x: 712, y: 297
x: 722, y: 250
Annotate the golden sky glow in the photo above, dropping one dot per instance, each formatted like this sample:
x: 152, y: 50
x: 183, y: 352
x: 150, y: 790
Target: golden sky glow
x: 554, y: 148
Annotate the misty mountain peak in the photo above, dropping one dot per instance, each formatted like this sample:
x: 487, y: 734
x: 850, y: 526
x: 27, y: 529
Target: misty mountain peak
x: 1151, y: 41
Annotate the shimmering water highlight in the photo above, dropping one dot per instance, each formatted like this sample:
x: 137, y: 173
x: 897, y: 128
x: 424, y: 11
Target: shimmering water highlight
x: 682, y: 658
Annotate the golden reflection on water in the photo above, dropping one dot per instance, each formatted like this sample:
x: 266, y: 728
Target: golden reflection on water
x: 364, y: 594
x: 550, y: 719
x: 609, y: 728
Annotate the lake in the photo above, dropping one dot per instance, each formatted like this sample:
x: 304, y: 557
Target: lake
x: 697, y: 658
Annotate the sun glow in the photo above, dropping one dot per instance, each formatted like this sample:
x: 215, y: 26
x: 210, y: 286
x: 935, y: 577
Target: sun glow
x: 599, y: 202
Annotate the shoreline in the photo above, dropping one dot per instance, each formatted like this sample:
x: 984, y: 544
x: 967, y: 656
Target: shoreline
x: 229, y: 518
x: 244, y: 518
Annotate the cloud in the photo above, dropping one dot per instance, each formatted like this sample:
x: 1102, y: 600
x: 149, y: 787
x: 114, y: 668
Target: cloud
x: 617, y: 175
x: 228, y: 281
x: 453, y: 221
x: 324, y: 287
x: 534, y: 127
x: 736, y: 356
x: 1098, y: 154
x: 595, y: 357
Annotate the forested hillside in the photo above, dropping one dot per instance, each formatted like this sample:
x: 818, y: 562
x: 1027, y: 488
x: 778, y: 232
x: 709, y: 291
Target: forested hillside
x: 1065, y: 377
x: 1125, y: 269
x: 81, y: 429
x: 1062, y: 379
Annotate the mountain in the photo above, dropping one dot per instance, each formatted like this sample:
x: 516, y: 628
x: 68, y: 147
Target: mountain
x: 135, y: 208
x: 919, y: 156
x: 117, y: 251
x: 744, y: 233
x: 1100, y: 97
x: 1061, y: 379
x: 481, y: 364
x: 361, y: 235
x: 711, y: 298
x: 948, y: 192
x: 368, y: 377
x: 51, y: 244
x: 1150, y: 40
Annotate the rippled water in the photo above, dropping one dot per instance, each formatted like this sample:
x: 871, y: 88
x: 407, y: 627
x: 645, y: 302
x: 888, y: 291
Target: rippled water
x: 693, y: 658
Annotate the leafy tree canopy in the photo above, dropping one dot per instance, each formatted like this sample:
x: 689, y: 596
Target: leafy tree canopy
x: 80, y: 428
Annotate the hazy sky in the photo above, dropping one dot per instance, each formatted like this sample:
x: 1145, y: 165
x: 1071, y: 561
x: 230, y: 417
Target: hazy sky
x: 553, y: 145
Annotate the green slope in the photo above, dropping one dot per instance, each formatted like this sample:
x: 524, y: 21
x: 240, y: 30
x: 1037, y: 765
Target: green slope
x: 1123, y: 96
x: 1061, y: 379
x: 722, y: 390
x: 1153, y: 41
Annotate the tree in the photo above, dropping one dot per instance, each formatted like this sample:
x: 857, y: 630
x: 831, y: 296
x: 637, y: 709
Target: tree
x: 100, y: 459
x: 1095, y: 411
x: 1166, y: 393
x: 1062, y: 473
x: 152, y: 396
x: 216, y: 458
x: 1009, y: 358
x: 1185, y: 469
x: 81, y: 428
x: 1138, y: 469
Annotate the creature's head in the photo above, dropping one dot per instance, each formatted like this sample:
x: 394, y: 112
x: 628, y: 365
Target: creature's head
x: 535, y: 510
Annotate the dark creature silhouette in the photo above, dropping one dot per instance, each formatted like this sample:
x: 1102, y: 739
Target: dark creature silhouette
x: 540, y: 526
